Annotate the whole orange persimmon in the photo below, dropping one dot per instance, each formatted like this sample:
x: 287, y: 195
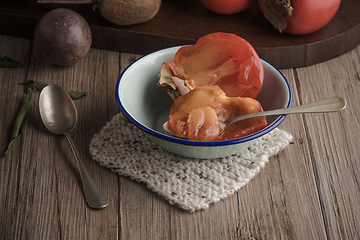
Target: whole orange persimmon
x: 299, y: 16
x: 226, y: 6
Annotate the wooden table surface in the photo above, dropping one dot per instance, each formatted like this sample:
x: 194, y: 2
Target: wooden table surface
x: 310, y: 190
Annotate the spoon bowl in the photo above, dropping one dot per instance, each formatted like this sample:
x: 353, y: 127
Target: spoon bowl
x: 57, y: 110
x: 333, y: 104
x: 59, y: 115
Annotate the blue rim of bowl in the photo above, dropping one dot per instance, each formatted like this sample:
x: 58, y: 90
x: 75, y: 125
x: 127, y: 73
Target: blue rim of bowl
x: 165, y: 137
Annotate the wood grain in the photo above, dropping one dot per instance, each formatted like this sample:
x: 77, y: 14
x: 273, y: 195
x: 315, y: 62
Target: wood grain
x: 310, y: 190
x: 183, y: 22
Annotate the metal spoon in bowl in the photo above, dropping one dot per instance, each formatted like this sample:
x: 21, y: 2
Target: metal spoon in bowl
x: 59, y: 115
x: 333, y: 104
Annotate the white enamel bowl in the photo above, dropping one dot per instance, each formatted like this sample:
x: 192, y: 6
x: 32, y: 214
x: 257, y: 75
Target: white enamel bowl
x: 147, y: 106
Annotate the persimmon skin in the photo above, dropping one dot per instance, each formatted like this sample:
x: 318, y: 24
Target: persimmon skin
x: 310, y: 16
x: 222, y: 59
x: 226, y: 7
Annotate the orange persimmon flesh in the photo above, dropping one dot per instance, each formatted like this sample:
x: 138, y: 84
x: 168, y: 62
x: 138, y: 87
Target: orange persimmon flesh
x: 200, y: 114
x: 221, y: 59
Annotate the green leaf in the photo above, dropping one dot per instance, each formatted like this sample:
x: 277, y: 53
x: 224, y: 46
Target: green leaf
x: 76, y: 95
x: 27, y: 102
x: 8, y: 62
x: 40, y: 86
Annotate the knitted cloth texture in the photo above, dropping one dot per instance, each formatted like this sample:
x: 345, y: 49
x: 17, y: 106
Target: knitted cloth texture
x: 191, y: 184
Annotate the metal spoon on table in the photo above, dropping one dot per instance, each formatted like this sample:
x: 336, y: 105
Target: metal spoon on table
x: 59, y: 116
x: 333, y: 104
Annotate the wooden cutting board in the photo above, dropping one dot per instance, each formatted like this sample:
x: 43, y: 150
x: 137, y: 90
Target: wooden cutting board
x: 184, y: 21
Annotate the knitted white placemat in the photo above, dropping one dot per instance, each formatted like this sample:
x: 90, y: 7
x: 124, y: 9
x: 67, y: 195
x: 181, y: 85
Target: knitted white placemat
x: 191, y: 184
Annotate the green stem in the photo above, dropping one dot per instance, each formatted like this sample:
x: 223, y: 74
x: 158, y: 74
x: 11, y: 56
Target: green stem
x: 27, y: 102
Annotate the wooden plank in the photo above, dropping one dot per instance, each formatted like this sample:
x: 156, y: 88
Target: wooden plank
x: 143, y: 214
x: 97, y: 74
x: 183, y: 22
x: 336, y: 165
x: 12, y: 198
x: 281, y: 201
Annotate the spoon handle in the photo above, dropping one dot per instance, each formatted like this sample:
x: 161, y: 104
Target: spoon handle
x: 93, y: 195
x: 334, y: 104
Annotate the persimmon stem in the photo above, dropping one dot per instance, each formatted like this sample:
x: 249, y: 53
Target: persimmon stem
x: 276, y: 12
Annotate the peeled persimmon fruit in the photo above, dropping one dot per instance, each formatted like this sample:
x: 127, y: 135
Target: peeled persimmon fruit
x: 200, y: 115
